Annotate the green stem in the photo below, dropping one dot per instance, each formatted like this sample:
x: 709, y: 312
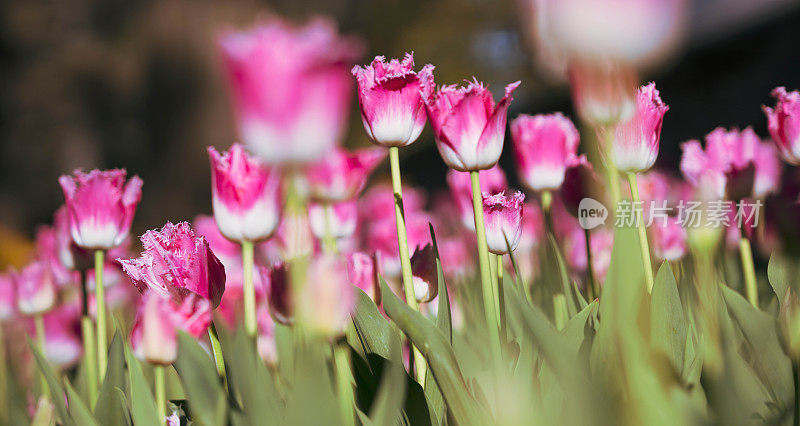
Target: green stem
x: 40, y: 340
x: 560, y: 307
x: 250, y: 324
x: 219, y: 361
x: 751, y: 286
x: 329, y: 242
x: 796, y: 377
x: 161, y: 393
x: 344, y: 383
x: 611, y: 168
x: 501, y: 308
x: 100, y: 304
x: 592, y: 289
x: 547, y: 201
x: 487, y: 284
x: 643, y: 244
x: 89, y: 358
x: 405, y: 261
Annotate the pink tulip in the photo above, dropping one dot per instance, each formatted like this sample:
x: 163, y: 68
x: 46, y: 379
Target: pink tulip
x: 227, y: 251
x: 294, y: 238
x: 503, y: 218
x: 341, y: 175
x: 425, y: 276
x: 669, y: 239
x: 177, y: 264
x: 338, y: 219
x: 457, y: 258
x: 290, y: 87
x: 101, y: 206
x: 327, y: 299
x: 734, y: 164
x: 378, y: 201
x: 580, y: 181
x: 36, y: 288
x: 362, y: 271
x: 154, y: 333
x: 469, y: 127
x: 382, y: 238
x: 544, y: 146
x: 635, y: 145
x: 493, y: 180
x: 279, y: 296
x: 246, y: 195
x: 47, y: 251
x: 391, y: 105
x: 63, y: 346
x: 8, y: 297
x: 603, y: 91
x: 532, y: 227
x: 601, y: 244
x: 784, y: 124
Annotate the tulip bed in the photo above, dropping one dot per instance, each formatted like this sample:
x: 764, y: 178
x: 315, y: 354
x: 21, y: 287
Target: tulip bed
x: 311, y: 297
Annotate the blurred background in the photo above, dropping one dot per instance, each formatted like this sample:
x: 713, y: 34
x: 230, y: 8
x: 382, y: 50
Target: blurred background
x: 137, y: 84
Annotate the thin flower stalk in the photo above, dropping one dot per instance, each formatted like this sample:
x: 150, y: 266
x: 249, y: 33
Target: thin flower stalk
x: 643, y: 244
x: 100, y: 301
x: 251, y: 327
x: 750, y: 284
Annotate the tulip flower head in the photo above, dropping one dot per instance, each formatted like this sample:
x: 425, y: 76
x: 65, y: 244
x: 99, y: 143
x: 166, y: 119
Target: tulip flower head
x: 503, y: 218
x: 603, y: 91
x: 177, y: 264
x: 635, y: 145
x: 423, y: 268
x: 327, y: 299
x: 669, y: 239
x: 281, y: 305
x: 469, y: 127
x: 100, y: 206
x: 580, y: 181
x: 544, y: 146
x: 8, y: 297
x: 36, y: 288
x: 341, y: 175
x: 338, y: 219
x: 290, y: 87
x: 391, y: 104
x: 381, y: 237
x: 246, y: 195
x: 63, y: 347
x: 492, y: 180
x: 783, y: 123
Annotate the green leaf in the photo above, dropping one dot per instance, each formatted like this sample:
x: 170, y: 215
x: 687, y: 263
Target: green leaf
x: 376, y: 335
x: 143, y: 405
x: 198, y: 373
x: 115, y: 378
x: 445, y: 325
x: 769, y: 361
x: 80, y: 413
x: 783, y: 273
x: 252, y: 381
x: 56, y: 390
x: 667, y: 320
x: 572, y: 308
x: 123, y: 412
x: 441, y: 359
x: 390, y: 395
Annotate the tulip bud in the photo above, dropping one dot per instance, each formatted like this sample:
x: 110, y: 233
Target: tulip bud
x: 327, y: 299
x: 8, y: 298
x: 337, y: 220
x: 784, y: 124
x: 100, y: 206
x: 603, y: 91
x: 635, y: 145
x: 492, y: 181
x: 290, y: 87
x: 544, y: 146
x: 391, y: 105
x: 503, y: 219
x: 789, y: 325
x: 669, y: 239
x: 580, y: 181
x: 341, y: 175
x: 425, y: 276
x: 246, y: 195
x: 279, y: 292
x: 36, y: 290
x: 468, y: 126
x: 153, y: 337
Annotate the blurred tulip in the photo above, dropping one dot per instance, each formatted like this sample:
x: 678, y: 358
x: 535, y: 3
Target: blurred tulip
x: 338, y: 219
x: 423, y: 268
x: 327, y: 299
x: 100, y: 206
x: 544, y: 146
x: 493, y: 180
x: 177, y: 264
x: 503, y: 218
x: 341, y: 175
x: 362, y: 271
x: 669, y: 239
x: 63, y: 345
x: 246, y: 195
x: 635, y: 144
x: 36, y: 289
x: 294, y: 237
x: 469, y: 127
x: 47, y: 250
x: 8, y: 296
x: 532, y: 227
x: 603, y: 91
x: 391, y: 105
x: 457, y: 257
x: 378, y: 201
x: 267, y: 348
x: 290, y: 87
x: 783, y: 123
x: 382, y: 238
x: 580, y: 181
x: 279, y: 296
x: 227, y: 251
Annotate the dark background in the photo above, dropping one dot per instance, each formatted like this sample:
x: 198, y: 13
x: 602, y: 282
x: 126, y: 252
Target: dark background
x: 137, y: 84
